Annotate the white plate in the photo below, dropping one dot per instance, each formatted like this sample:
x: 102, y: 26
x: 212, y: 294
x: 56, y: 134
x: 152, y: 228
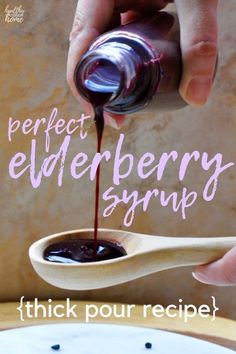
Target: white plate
x: 101, y: 339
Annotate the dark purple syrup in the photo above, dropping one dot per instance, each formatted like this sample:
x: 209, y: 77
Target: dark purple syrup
x: 84, y: 250
x: 98, y: 99
x: 81, y: 251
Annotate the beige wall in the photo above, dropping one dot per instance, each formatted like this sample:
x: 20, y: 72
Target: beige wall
x: 32, y: 81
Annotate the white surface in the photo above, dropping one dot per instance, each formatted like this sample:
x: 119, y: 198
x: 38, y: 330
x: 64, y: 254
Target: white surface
x: 100, y: 339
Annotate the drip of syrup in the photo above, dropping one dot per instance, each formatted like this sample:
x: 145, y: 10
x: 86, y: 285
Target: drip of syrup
x: 77, y: 250
x: 99, y: 121
x: 102, y: 80
x: 98, y: 97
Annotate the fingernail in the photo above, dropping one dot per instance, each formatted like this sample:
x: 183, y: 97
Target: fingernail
x: 74, y: 34
x: 198, y: 91
x: 71, y: 36
x: 111, y: 122
x: 201, y: 277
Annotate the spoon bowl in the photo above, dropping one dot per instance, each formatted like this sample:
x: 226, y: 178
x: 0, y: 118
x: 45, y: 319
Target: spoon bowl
x: 145, y: 255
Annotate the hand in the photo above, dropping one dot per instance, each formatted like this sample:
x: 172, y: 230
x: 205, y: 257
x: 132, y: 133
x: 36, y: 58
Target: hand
x: 198, y: 22
x: 221, y: 272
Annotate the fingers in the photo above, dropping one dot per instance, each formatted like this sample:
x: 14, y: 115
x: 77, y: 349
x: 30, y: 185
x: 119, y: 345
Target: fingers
x: 198, y: 23
x: 113, y: 120
x: 221, y: 272
x: 141, y: 5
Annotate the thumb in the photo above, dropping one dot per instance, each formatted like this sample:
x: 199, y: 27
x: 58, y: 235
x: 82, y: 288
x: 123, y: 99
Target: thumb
x: 198, y: 27
x: 221, y: 272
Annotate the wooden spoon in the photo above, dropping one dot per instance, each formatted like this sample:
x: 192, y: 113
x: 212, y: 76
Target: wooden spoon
x: 145, y: 255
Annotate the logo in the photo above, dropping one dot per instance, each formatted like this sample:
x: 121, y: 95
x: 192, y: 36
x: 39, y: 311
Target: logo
x: 15, y: 14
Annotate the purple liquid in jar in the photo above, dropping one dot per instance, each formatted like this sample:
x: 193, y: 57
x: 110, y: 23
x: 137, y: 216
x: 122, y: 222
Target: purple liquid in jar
x: 138, y: 64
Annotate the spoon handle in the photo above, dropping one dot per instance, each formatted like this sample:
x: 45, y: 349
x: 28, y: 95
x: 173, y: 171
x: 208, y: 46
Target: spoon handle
x: 186, y: 251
